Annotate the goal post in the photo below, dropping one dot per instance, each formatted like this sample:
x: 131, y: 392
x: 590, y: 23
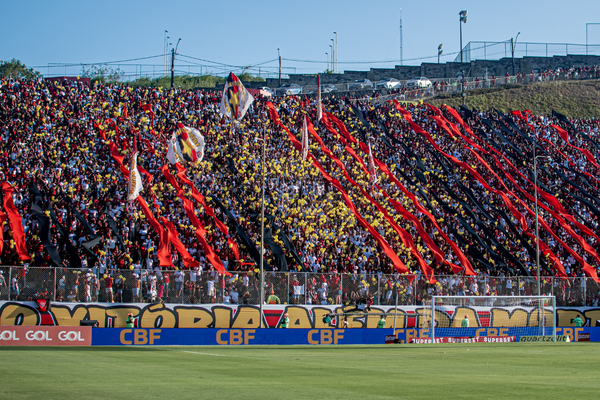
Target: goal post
x: 471, y: 316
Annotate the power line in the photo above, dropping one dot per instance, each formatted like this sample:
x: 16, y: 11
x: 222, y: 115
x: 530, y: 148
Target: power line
x: 97, y: 63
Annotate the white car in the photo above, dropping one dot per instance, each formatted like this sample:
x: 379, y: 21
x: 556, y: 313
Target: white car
x: 389, y: 83
x: 361, y: 84
x: 419, y: 83
x: 266, y: 91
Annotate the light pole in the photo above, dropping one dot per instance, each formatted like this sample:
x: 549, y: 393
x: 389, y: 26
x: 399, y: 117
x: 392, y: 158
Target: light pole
x: 537, y: 232
x: 331, y: 52
x: 327, y: 61
x: 586, y: 35
x: 166, y: 50
x: 512, y: 49
x: 262, y: 232
x: 336, y: 53
x: 440, y: 51
x: 332, y: 55
x: 463, y: 19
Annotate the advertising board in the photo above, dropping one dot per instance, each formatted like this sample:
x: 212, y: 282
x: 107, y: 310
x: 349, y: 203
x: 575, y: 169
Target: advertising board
x: 45, y: 336
x: 245, y: 337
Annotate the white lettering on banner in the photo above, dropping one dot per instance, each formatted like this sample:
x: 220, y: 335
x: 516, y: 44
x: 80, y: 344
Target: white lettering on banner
x: 476, y: 339
x: 8, y: 335
x: 71, y: 336
x: 37, y: 335
x: 46, y: 336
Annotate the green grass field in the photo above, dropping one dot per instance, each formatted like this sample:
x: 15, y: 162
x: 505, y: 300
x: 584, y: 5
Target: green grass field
x: 466, y: 371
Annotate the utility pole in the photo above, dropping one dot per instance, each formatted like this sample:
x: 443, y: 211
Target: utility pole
x: 173, y: 51
x: 512, y: 49
x: 172, y: 67
x: 279, y: 56
x: 440, y: 51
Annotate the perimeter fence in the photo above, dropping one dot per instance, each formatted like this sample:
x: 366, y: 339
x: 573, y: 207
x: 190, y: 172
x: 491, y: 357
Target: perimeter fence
x: 193, y: 287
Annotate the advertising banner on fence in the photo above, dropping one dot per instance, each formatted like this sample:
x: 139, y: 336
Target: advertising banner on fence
x: 562, y: 334
x: 45, y: 336
x: 476, y: 339
x: 215, y: 337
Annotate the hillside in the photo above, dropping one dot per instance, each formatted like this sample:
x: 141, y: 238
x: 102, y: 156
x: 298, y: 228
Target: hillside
x: 578, y: 99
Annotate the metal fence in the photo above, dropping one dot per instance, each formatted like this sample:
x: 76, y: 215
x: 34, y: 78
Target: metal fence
x: 450, y: 86
x: 191, y: 287
x: 478, y: 50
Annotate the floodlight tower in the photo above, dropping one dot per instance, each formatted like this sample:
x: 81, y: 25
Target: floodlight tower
x: 463, y: 19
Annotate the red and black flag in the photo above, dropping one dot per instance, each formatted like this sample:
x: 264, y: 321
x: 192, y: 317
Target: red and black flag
x: 236, y: 99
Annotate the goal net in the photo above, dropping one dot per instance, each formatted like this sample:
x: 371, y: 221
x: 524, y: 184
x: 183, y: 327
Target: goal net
x: 505, y: 318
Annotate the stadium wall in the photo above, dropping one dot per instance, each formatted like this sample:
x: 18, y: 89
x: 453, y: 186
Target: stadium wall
x: 445, y: 70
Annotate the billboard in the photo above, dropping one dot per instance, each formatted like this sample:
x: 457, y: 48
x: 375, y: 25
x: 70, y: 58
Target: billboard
x: 45, y: 336
x: 235, y: 337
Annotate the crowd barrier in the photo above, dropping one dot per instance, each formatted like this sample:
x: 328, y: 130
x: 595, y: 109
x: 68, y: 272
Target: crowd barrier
x: 189, y: 287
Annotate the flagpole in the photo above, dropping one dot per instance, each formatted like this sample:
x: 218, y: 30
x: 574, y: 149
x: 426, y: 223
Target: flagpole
x: 262, y: 234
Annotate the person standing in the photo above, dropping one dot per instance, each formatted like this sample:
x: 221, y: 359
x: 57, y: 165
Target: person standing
x: 381, y: 323
x: 465, y: 322
x: 273, y: 299
x: 108, y: 287
x: 129, y: 320
x: 179, y: 284
x: 166, y: 281
x: 88, y: 291
x: 15, y: 287
x: 578, y: 321
x: 285, y: 322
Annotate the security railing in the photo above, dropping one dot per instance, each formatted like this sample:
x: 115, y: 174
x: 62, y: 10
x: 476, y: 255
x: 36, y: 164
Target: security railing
x: 194, y: 287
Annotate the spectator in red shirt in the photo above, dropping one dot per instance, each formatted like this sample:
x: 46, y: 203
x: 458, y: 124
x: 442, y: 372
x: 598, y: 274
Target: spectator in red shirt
x: 108, y: 283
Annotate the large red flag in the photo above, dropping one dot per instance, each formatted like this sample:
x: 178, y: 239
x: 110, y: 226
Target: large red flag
x: 16, y: 224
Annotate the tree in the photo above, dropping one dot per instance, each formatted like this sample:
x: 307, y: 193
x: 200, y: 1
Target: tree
x: 17, y: 70
x: 102, y: 73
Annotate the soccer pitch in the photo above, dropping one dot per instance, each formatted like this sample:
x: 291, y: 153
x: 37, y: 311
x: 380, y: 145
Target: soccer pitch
x: 440, y: 371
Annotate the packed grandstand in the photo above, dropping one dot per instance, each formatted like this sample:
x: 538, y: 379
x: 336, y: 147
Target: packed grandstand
x: 403, y: 190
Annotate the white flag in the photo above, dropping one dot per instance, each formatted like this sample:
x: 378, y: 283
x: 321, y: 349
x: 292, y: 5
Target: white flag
x: 304, y: 139
x: 236, y: 99
x: 173, y: 152
x: 135, y: 179
x: 186, y: 145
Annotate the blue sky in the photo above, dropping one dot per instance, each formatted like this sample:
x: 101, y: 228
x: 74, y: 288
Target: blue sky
x: 248, y: 33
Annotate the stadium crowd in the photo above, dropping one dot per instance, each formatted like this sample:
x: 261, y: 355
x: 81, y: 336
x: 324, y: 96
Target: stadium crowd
x: 445, y: 193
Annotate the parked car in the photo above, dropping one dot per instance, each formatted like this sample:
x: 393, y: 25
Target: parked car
x: 266, y: 91
x: 262, y: 91
x: 325, y: 89
x: 290, y: 88
x: 389, y: 83
x: 361, y: 84
x: 419, y: 83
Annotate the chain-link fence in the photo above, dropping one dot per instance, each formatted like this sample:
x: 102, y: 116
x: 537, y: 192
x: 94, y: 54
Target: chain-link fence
x: 196, y: 287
